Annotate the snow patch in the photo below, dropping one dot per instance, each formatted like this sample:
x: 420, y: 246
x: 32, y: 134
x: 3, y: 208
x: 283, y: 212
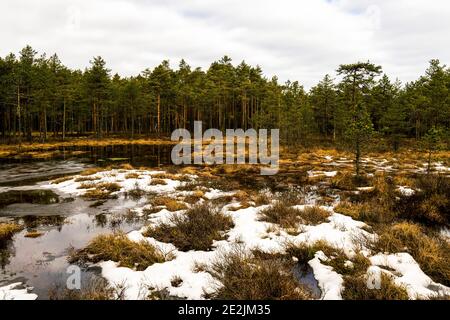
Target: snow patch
x: 14, y: 292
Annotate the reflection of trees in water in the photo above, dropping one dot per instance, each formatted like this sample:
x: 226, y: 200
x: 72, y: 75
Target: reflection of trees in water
x: 136, y: 155
x: 33, y: 222
x: 28, y: 196
x: 7, y: 250
x: 101, y: 220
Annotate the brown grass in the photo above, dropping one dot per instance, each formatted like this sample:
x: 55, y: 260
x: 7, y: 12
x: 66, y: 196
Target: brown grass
x: 33, y: 234
x: 86, y: 178
x: 355, y: 288
x: 117, y: 247
x: 194, y: 197
x: 132, y: 175
x: 431, y: 252
x: 289, y: 217
x: 7, y: 230
x: 314, y: 215
x: 281, y: 214
x: 170, y: 203
x: 102, y: 191
x: 348, y: 181
x: 337, y: 258
x: 96, y: 288
x: 247, y: 277
x: 430, y: 204
x: 62, y: 179
x: 157, y: 181
x: 194, y: 230
x: 91, y: 171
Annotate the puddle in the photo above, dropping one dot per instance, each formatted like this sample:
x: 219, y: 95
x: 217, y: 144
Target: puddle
x: 305, y: 275
x: 25, y: 169
x: 42, y: 262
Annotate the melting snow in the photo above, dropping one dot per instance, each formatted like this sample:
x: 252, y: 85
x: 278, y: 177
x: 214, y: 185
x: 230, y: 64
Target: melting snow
x: 13, y: 292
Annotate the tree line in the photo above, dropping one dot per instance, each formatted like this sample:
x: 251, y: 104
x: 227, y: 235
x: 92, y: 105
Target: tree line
x: 42, y: 98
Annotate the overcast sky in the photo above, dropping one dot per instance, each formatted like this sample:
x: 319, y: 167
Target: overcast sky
x: 298, y: 40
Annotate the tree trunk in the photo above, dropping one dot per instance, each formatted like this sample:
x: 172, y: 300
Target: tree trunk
x: 64, y: 120
x: 159, y: 113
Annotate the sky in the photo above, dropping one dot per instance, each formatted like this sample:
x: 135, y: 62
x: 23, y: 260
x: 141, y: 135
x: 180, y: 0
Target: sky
x: 293, y: 39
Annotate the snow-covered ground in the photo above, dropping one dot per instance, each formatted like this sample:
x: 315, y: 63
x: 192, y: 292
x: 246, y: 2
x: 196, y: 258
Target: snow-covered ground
x: 15, y: 291
x: 248, y: 232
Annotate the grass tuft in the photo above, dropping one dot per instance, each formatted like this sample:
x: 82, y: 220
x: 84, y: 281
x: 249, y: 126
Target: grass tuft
x: 118, y: 247
x: 247, y: 277
x: 355, y: 288
x: 7, y: 230
x: 431, y: 252
x: 194, y: 230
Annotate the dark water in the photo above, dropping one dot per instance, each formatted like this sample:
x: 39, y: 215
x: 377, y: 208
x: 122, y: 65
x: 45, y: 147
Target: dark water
x: 63, y: 221
x: 25, y: 169
x: 305, y: 275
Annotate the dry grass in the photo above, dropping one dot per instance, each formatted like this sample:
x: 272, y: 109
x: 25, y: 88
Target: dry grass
x: 372, y: 212
x: 176, y: 281
x: 117, y: 247
x: 194, y: 230
x: 170, y: 203
x: 157, y: 181
x: 336, y: 257
x: 289, y: 217
x: 247, y: 277
x: 33, y: 234
x: 102, y: 191
x: 86, y: 178
x: 261, y: 198
x: 314, y: 215
x: 96, y: 289
x: 7, y: 230
x: 348, y: 181
x: 376, y: 205
x: 92, y: 171
x: 195, y: 197
x: 291, y: 197
x: 62, y: 179
x: 431, y: 252
x: 280, y: 213
x: 132, y: 175
x: 430, y: 204
x: 355, y: 288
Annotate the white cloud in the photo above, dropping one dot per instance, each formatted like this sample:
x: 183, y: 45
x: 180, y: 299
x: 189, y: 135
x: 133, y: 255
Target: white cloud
x: 298, y: 40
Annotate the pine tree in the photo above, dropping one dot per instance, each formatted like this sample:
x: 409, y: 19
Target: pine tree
x: 359, y: 130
